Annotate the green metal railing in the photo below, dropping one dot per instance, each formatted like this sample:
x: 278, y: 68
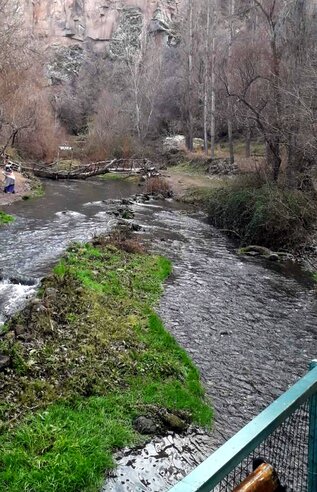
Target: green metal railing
x: 284, y: 435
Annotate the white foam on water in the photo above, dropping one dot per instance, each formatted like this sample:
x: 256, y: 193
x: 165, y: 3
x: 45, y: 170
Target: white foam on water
x: 66, y: 214
x: 99, y: 203
x: 147, y: 205
x: 13, y: 296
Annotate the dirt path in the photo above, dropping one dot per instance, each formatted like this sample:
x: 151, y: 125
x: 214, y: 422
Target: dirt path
x: 182, y: 182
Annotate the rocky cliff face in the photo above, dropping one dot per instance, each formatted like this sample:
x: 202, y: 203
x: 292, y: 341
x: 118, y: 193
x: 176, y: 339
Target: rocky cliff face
x: 71, y: 22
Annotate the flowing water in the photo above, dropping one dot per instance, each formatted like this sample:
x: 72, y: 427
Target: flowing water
x: 70, y: 211
x: 249, y: 325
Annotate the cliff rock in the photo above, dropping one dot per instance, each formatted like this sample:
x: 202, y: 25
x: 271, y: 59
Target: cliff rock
x: 72, y: 21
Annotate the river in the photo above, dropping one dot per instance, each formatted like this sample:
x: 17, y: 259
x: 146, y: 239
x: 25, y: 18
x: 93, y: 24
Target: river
x: 248, y: 324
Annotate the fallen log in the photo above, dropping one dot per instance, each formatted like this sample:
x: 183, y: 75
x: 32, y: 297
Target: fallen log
x: 138, y: 166
x: 83, y: 172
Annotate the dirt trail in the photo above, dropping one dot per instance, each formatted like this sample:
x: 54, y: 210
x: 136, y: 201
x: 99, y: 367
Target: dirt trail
x: 182, y: 182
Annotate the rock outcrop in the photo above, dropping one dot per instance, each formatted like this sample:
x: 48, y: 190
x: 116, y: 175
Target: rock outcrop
x: 72, y: 21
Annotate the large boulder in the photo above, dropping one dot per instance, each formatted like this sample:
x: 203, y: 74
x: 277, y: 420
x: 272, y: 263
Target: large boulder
x: 198, y: 144
x: 174, y: 143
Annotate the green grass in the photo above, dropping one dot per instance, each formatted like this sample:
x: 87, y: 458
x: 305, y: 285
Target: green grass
x: 190, y: 168
x: 5, y: 218
x: 37, y: 190
x: 98, y: 357
x: 120, y: 177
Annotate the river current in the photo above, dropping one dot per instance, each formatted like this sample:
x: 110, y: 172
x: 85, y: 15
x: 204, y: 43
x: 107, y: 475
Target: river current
x: 249, y: 325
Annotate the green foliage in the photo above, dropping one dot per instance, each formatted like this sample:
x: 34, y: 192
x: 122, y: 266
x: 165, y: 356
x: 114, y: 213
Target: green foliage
x: 120, y: 177
x: 263, y: 214
x: 38, y: 190
x: 98, y: 357
x: 5, y: 218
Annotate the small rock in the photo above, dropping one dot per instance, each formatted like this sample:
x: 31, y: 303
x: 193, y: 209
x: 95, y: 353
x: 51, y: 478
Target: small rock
x: 145, y: 425
x: 36, y: 301
x: 4, y: 361
x: 41, y: 308
x: 124, y: 201
x: 273, y: 257
x: 51, y: 293
x: 135, y: 227
x: 19, y: 330
x: 173, y: 422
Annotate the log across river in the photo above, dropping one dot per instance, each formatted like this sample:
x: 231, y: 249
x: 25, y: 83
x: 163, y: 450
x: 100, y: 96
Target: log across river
x: 248, y: 324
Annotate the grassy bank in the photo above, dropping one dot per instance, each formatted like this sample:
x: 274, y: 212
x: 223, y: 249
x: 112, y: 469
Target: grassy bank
x: 132, y: 178
x: 5, y: 218
x: 83, y: 361
x: 36, y: 190
x: 261, y: 213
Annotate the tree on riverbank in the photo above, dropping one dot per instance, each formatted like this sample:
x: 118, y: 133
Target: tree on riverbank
x: 273, y: 84
x: 221, y: 70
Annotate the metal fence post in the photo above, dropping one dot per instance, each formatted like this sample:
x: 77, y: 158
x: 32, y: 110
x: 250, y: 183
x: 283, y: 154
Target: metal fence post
x: 312, y: 442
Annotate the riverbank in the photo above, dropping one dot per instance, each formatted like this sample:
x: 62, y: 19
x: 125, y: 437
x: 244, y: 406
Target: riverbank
x: 88, y: 368
x: 23, y: 188
x: 251, y: 209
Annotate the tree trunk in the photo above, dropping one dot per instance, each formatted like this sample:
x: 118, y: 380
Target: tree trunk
x: 248, y: 141
x: 273, y: 156
x: 213, y: 99
x: 206, y: 77
x: 229, y: 106
x: 230, y: 138
x: 295, y: 152
x: 190, y: 78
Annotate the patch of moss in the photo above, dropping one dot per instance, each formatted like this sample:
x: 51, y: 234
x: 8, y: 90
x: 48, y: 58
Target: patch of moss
x: 5, y: 218
x: 93, y: 355
x: 120, y: 177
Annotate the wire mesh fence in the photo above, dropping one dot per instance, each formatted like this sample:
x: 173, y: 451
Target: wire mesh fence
x: 286, y: 449
x: 278, y: 447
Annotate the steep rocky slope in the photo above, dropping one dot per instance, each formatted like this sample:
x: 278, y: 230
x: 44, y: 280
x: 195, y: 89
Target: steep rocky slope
x: 72, y: 21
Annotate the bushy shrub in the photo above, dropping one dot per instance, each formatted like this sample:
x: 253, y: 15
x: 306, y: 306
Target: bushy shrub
x: 264, y: 214
x: 158, y: 185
